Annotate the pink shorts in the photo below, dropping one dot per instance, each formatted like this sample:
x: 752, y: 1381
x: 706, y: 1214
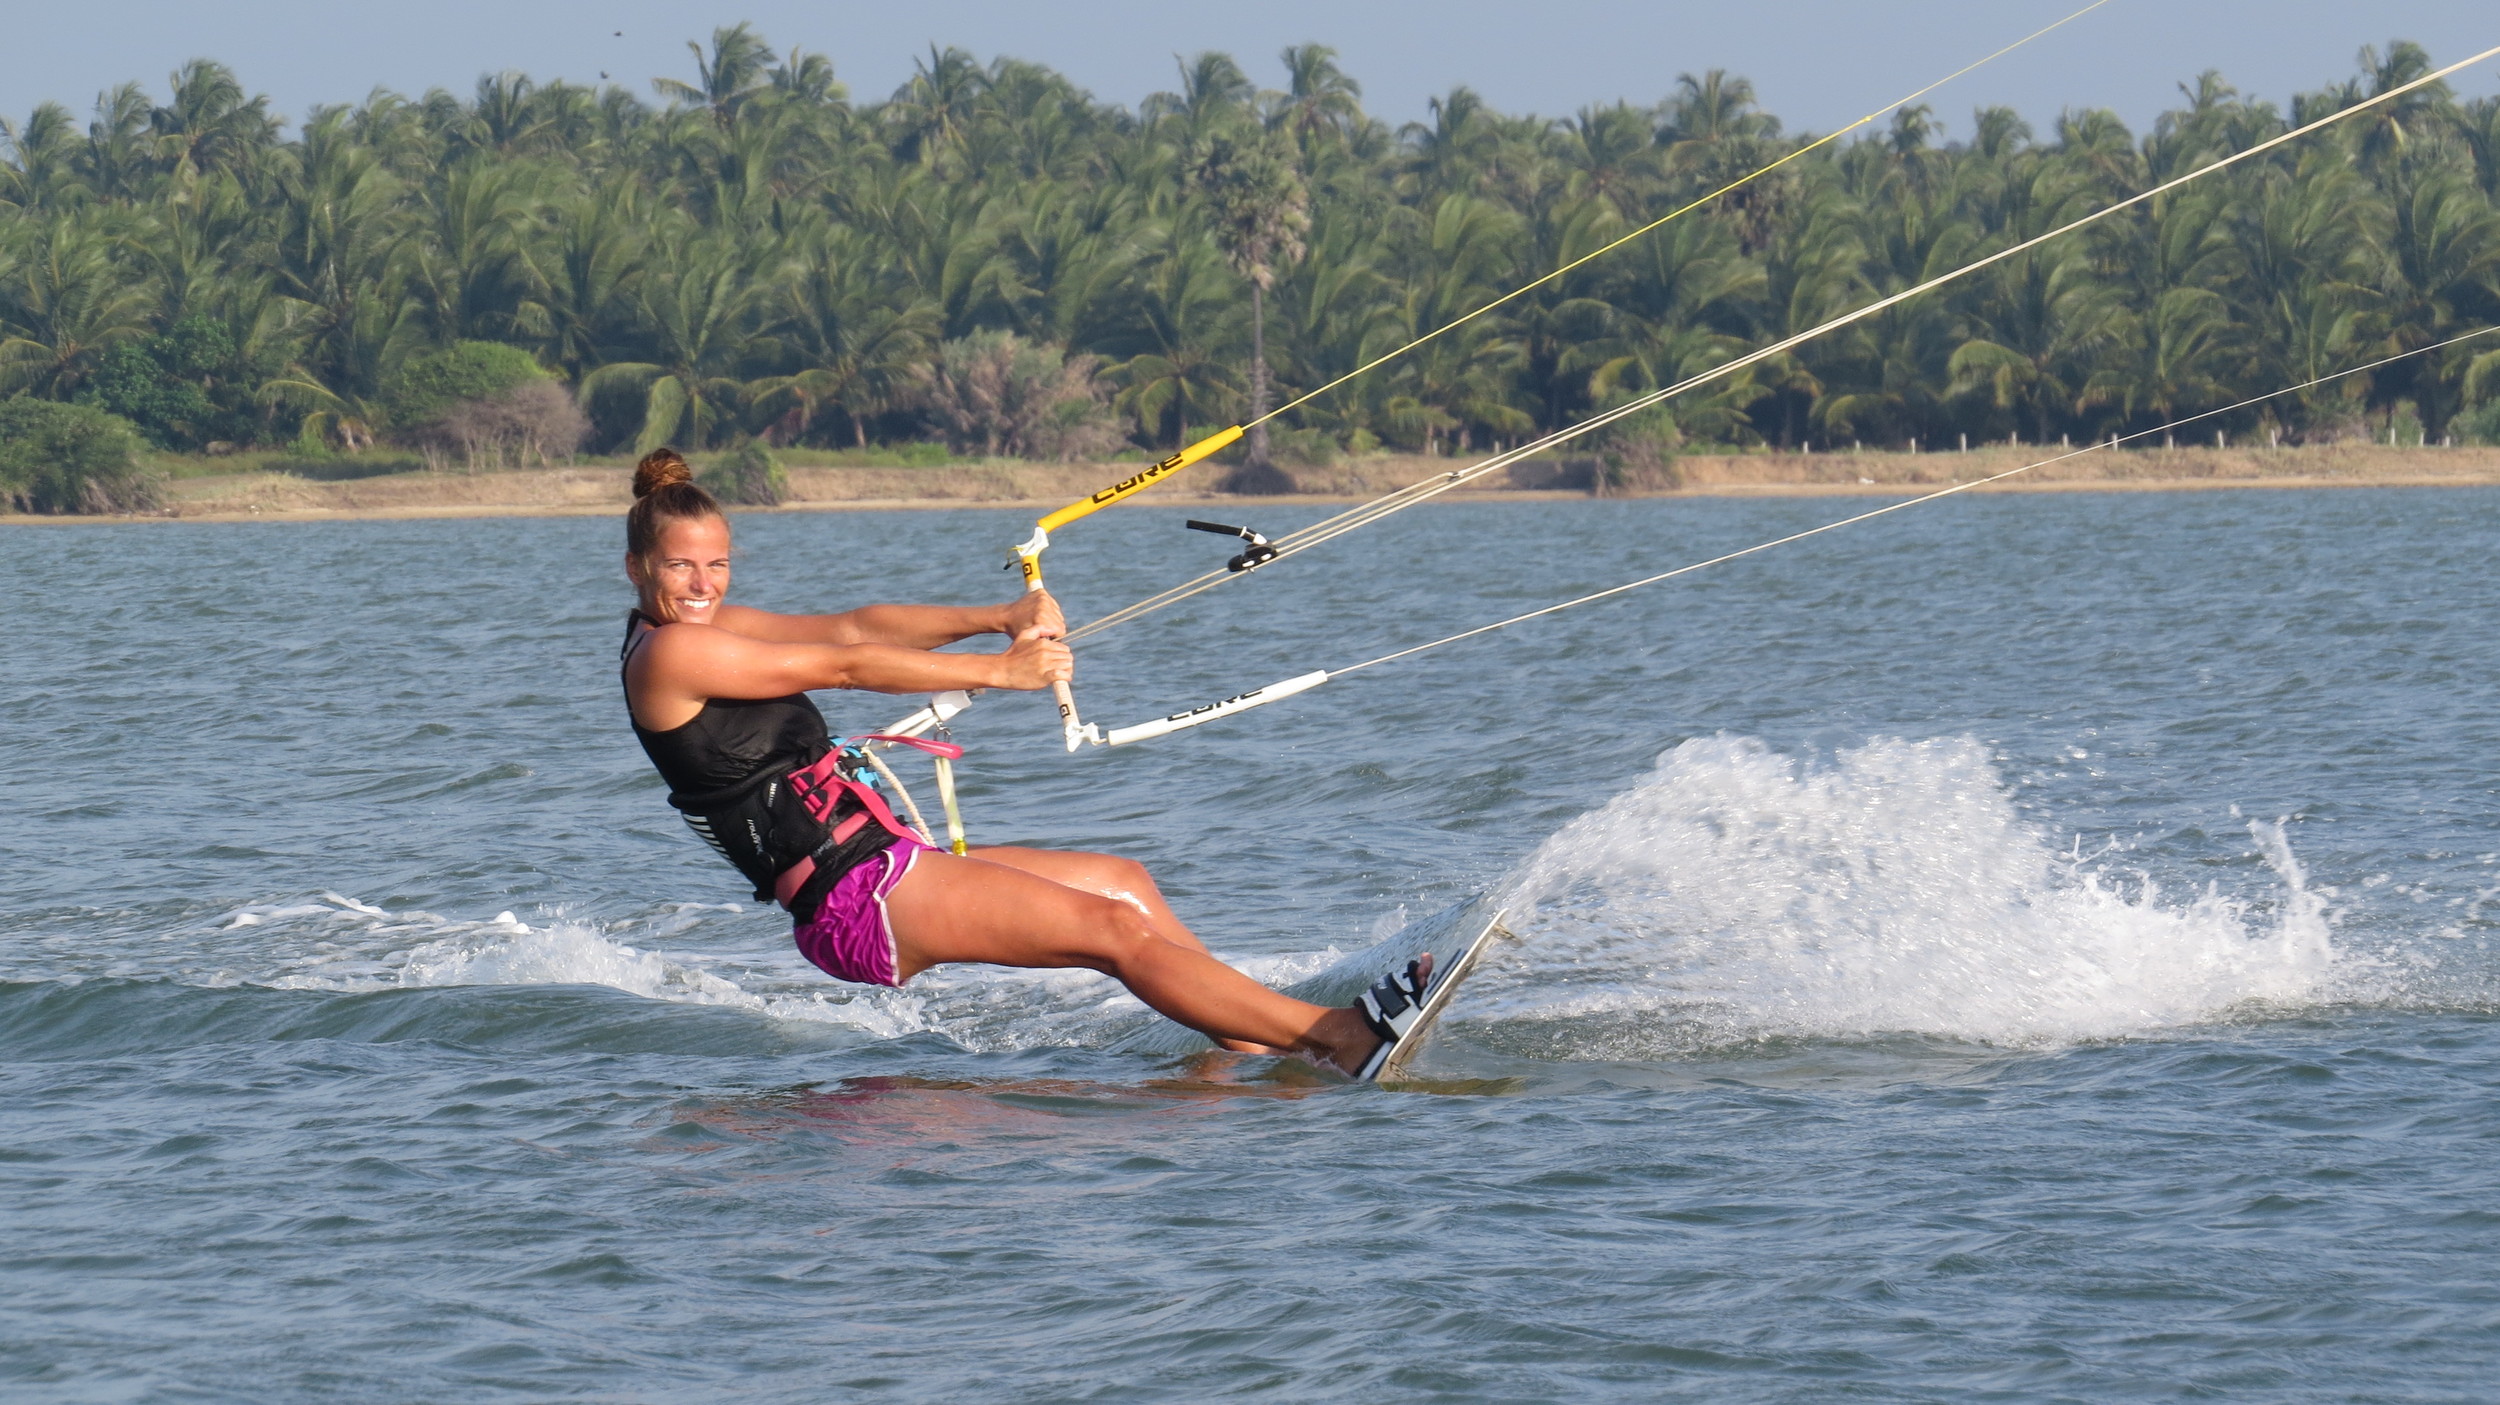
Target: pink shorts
x: 850, y: 939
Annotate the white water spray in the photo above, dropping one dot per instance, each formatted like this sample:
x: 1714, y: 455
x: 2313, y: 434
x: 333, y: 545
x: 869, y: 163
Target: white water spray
x: 1736, y: 894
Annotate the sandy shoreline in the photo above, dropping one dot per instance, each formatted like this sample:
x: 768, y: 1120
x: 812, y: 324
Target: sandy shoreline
x: 599, y: 490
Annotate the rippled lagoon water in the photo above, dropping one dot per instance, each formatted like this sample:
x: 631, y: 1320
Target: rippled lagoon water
x: 2028, y: 949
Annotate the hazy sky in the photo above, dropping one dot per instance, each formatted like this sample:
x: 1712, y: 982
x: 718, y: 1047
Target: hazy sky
x: 1817, y: 63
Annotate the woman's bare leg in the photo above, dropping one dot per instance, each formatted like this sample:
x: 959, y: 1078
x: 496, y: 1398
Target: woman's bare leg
x: 966, y: 909
x: 1122, y: 880
x: 1106, y: 874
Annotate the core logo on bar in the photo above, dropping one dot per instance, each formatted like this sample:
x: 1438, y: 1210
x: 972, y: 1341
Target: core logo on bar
x: 1148, y: 476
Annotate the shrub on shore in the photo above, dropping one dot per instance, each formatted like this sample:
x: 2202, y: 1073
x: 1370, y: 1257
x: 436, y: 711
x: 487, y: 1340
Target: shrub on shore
x: 470, y: 370
x: 488, y: 405
x: 184, y: 389
x: 748, y: 476
x: 995, y: 394
x: 533, y: 422
x: 58, y: 458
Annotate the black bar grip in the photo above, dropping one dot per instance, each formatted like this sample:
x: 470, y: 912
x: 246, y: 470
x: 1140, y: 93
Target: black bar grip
x: 1216, y: 527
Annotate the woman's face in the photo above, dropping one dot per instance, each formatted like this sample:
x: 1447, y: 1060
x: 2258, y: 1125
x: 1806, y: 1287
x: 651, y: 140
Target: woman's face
x: 685, y: 579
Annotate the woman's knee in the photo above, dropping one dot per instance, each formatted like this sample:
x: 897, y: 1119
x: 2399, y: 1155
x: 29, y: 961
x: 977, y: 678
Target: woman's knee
x: 1125, y: 875
x: 1114, y: 935
x: 1099, y: 870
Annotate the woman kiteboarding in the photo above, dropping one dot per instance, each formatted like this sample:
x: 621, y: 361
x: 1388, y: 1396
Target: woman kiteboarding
x: 718, y: 697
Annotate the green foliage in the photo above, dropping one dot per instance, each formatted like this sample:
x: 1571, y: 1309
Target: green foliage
x: 57, y: 458
x: 762, y: 254
x: 2481, y: 425
x: 747, y: 476
x: 184, y: 389
x: 1639, y: 450
x: 465, y: 371
x: 1306, y: 448
x: 994, y: 394
x: 915, y: 456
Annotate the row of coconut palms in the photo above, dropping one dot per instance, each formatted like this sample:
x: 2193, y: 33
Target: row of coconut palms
x: 756, y: 253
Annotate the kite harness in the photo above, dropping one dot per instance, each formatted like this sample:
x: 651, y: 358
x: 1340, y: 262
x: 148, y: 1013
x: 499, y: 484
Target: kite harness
x: 763, y: 783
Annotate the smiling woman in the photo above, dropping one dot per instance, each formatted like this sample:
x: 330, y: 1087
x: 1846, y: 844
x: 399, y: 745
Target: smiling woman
x: 718, y: 695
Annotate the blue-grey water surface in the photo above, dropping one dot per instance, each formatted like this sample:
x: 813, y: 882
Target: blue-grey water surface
x: 2028, y: 948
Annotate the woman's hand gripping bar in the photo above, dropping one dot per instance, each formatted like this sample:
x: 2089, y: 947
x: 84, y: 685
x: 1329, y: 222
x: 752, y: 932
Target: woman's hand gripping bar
x: 1074, y: 731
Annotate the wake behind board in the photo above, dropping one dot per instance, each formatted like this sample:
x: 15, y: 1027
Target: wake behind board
x: 1457, y: 937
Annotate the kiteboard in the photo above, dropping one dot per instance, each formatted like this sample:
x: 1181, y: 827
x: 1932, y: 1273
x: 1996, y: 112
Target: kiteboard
x: 1457, y: 938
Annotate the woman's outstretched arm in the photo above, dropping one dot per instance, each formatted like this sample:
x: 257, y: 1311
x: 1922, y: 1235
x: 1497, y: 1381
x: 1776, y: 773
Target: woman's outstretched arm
x: 905, y: 626
x: 681, y: 665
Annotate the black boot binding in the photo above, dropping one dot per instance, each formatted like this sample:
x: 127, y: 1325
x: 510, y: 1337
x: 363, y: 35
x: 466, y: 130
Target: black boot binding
x: 1392, y: 1007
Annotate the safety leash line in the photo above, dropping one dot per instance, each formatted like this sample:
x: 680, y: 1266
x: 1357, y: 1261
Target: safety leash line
x: 1398, y: 500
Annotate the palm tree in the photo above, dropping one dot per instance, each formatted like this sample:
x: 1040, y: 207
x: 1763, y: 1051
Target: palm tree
x: 1464, y: 379
x: 943, y: 235
x: 42, y: 170
x: 1220, y: 242
x: 2171, y: 360
x: 2303, y: 289
x: 508, y: 117
x: 1338, y: 307
x: 1611, y: 155
x: 1214, y: 101
x: 1712, y: 135
x: 1258, y: 212
x: 732, y: 74
x: 1813, y: 271
x: 584, y: 272
x: 1456, y: 152
x: 808, y: 79
x: 2041, y: 317
x: 698, y: 304
x: 1179, y: 371
x: 1065, y: 261
x: 337, y: 251
x: 467, y: 270
x: 1029, y: 123
x: 932, y: 111
x: 200, y: 247
x: 856, y: 329
x: 121, y: 157
x: 210, y: 126
x: 1320, y: 102
x: 2442, y: 277
x: 2393, y: 128
x: 65, y: 296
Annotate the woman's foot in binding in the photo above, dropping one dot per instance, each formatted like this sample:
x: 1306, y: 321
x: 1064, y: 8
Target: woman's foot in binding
x: 1387, y: 1012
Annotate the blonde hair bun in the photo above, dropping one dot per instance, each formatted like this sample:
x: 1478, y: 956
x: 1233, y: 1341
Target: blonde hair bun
x: 658, y: 469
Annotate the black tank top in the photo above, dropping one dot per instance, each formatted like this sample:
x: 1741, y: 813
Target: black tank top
x: 731, y: 739
x: 727, y: 769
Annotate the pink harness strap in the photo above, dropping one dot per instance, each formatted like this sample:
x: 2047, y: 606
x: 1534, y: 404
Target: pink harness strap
x: 821, y: 785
